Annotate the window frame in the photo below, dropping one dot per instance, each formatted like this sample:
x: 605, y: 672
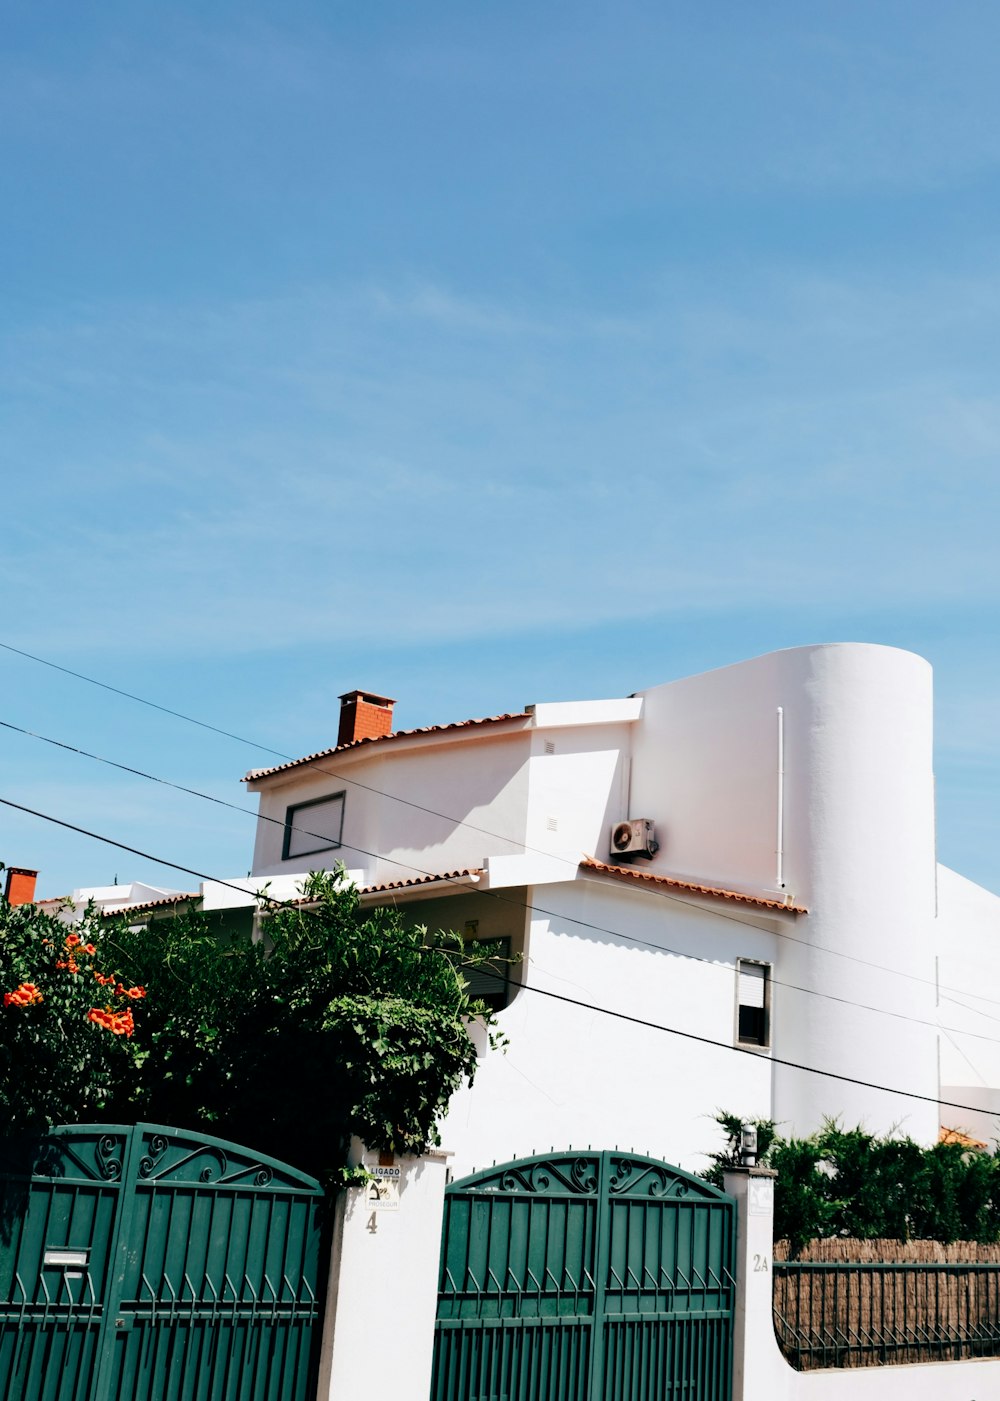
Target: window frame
x: 762, y: 1044
x: 498, y: 1000
x: 294, y: 808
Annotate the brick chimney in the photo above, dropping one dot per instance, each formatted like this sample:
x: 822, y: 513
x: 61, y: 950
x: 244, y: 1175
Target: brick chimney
x: 20, y: 886
x: 364, y: 716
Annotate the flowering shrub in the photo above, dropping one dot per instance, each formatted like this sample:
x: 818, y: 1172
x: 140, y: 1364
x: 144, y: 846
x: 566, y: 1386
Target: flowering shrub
x: 62, y: 1058
x: 338, y: 1022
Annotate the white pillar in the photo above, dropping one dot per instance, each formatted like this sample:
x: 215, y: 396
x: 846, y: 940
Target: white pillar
x: 759, y: 1370
x: 378, y: 1334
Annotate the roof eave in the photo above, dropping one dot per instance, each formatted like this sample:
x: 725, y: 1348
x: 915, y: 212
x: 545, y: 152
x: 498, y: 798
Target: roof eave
x: 426, y: 737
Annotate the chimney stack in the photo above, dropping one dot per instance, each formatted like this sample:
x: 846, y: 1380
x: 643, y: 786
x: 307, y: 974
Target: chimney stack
x: 20, y: 885
x: 364, y: 715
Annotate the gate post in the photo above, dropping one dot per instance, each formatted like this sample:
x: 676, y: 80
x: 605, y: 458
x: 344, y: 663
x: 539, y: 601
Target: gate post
x: 378, y: 1334
x: 759, y: 1370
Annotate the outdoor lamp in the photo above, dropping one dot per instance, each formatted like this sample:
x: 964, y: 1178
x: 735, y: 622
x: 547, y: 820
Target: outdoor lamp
x: 748, y: 1146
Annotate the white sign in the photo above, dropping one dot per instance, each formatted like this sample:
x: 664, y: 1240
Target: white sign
x: 383, y: 1193
x: 761, y: 1196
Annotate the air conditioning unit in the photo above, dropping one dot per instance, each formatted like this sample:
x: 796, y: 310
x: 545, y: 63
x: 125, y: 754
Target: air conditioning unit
x: 633, y: 838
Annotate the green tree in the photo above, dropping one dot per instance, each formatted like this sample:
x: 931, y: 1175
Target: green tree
x: 846, y: 1182
x: 338, y: 1021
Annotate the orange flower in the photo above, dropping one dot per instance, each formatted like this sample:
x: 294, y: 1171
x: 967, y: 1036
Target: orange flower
x: 119, y: 1023
x: 136, y: 992
x: 72, y: 940
x: 90, y: 948
x: 22, y: 996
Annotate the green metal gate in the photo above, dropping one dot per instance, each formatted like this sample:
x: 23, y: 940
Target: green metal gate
x: 146, y: 1264
x: 585, y: 1277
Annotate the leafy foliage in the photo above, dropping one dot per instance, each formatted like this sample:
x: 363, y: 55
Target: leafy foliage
x: 846, y: 1182
x: 336, y: 1022
x: 67, y: 1048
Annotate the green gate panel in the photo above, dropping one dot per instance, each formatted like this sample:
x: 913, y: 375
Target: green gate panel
x: 585, y: 1277
x: 140, y: 1263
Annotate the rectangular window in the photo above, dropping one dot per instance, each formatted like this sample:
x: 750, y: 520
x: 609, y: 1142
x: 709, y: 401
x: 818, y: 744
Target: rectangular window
x: 490, y: 981
x: 753, y: 1003
x: 314, y: 826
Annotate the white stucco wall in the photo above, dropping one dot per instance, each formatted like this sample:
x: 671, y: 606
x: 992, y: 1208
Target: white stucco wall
x: 760, y: 1371
x: 391, y: 830
x: 853, y: 980
x: 857, y: 850
x: 573, y: 1077
x: 967, y: 946
x: 378, y: 1334
x: 577, y: 787
x: 429, y: 805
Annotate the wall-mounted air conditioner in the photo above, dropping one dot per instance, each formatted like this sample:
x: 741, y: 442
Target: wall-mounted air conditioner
x: 633, y: 838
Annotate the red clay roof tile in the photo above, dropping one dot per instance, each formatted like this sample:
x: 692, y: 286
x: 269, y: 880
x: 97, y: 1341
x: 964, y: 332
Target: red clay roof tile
x: 255, y: 774
x: 691, y: 887
x: 149, y: 905
x: 389, y: 886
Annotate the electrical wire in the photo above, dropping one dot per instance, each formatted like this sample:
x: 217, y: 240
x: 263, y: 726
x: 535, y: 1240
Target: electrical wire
x: 520, y: 904
x: 542, y: 992
x: 393, y: 797
x: 748, y: 1051
x: 276, y: 753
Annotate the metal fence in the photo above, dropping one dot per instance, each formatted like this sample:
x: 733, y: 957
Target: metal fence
x: 863, y: 1315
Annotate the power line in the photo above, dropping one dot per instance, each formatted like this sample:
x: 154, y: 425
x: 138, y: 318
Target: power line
x: 394, y: 797
x: 521, y: 904
x: 746, y: 1051
x: 135, y: 851
x: 276, y: 753
x: 543, y: 992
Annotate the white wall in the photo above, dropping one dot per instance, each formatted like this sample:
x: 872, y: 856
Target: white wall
x: 573, y: 1077
x: 857, y: 845
x: 479, y: 784
x: 853, y: 985
x: 378, y: 1335
x: 576, y: 791
x: 554, y: 790
x: 967, y: 944
x: 760, y: 1371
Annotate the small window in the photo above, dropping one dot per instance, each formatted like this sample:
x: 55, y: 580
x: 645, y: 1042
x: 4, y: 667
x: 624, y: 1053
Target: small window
x: 490, y: 981
x: 314, y: 826
x: 753, y: 1003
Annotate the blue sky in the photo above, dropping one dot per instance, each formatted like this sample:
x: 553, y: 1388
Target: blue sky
x: 482, y: 354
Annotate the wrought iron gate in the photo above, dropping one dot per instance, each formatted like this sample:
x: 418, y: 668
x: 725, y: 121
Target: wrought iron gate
x: 585, y: 1277
x: 144, y: 1263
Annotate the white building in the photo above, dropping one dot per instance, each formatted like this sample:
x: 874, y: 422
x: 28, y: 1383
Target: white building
x: 792, y: 920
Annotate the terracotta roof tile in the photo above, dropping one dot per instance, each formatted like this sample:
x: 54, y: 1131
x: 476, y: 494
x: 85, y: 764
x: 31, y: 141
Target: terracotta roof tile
x: 149, y: 905
x: 389, y: 886
x: 419, y: 880
x: 383, y: 739
x: 963, y: 1140
x: 691, y: 887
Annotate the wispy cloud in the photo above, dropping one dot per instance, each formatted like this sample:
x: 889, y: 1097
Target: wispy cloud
x: 427, y: 461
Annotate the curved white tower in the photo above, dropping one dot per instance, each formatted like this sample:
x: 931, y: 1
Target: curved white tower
x: 859, y: 852
x: 848, y: 832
